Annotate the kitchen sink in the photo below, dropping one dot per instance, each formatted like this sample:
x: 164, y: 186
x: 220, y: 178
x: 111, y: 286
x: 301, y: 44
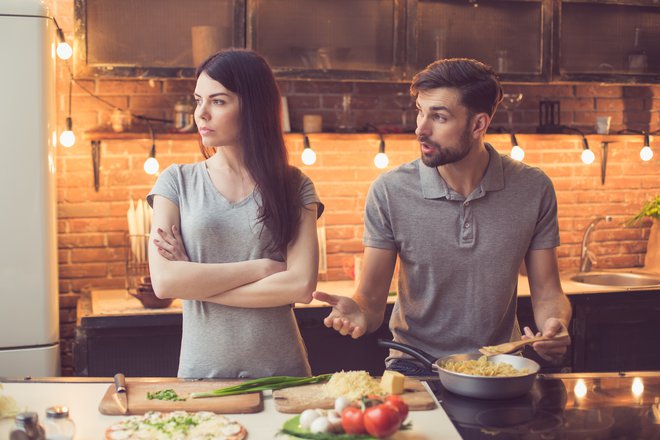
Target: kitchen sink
x: 617, y: 279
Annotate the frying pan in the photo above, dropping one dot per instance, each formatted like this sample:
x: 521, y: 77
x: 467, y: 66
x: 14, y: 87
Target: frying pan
x: 482, y: 387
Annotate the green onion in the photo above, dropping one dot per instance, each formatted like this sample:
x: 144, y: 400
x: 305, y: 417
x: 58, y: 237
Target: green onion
x: 168, y: 394
x: 262, y: 384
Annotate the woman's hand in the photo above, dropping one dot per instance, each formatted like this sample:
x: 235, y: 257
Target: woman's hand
x: 170, y: 246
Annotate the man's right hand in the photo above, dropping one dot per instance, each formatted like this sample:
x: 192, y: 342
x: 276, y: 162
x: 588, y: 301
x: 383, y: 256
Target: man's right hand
x: 346, y: 316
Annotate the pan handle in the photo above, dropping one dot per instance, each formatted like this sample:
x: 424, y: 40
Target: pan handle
x: 426, y: 359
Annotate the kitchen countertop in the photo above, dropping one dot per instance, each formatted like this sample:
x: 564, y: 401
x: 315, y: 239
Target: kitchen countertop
x: 119, y: 303
x: 83, y: 397
x: 573, y: 406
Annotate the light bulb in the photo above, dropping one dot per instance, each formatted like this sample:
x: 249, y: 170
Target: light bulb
x: 381, y: 160
x: 580, y: 388
x: 67, y: 138
x: 517, y: 153
x: 646, y: 153
x: 151, y: 166
x: 308, y: 156
x: 588, y: 156
x: 637, y: 387
x: 64, y: 51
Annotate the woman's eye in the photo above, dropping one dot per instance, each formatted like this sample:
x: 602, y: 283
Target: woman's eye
x: 218, y: 102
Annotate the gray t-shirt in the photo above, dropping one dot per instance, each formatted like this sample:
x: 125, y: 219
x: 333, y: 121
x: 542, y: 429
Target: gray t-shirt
x: 218, y: 340
x: 459, y: 257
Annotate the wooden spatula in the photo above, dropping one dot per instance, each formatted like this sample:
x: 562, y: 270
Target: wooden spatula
x: 509, y: 347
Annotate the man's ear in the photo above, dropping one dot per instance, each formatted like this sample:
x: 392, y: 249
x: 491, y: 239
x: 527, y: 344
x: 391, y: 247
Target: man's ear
x: 480, y: 123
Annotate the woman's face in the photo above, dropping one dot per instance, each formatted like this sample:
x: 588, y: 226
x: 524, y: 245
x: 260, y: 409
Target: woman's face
x: 217, y: 113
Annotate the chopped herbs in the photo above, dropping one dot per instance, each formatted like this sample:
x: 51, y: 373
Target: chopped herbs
x: 168, y: 394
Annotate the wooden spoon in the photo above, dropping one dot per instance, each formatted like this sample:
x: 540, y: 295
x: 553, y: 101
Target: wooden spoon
x: 509, y: 347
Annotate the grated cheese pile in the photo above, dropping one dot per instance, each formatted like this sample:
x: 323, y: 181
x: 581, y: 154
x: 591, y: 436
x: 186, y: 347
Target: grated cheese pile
x: 351, y: 385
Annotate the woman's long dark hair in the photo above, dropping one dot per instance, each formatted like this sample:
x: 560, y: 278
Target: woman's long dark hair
x: 247, y: 74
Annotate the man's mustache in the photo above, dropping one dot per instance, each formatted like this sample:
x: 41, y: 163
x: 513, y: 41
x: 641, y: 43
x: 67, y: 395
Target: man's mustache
x: 427, y: 141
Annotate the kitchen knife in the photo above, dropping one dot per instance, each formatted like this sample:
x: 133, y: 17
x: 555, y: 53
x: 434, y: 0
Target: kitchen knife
x: 121, y: 396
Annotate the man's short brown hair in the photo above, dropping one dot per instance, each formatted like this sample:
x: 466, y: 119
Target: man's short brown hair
x: 476, y: 82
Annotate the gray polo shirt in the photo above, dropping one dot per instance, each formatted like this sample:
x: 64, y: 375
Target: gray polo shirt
x: 459, y: 257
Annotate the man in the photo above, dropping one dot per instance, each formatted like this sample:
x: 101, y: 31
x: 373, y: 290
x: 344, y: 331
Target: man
x: 462, y: 218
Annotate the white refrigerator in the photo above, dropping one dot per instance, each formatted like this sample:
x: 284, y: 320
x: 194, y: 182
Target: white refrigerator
x: 29, y: 312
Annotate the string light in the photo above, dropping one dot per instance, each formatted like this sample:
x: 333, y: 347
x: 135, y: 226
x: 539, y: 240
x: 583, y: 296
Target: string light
x: 380, y: 159
x: 646, y: 153
x: 308, y: 155
x: 151, y: 165
x: 68, y: 138
x: 517, y: 153
x: 63, y: 51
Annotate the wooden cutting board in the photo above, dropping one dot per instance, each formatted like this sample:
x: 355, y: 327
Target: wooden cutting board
x: 297, y: 399
x: 139, y: 404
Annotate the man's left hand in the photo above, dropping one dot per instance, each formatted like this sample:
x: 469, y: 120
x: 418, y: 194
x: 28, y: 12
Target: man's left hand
x: 555, y: 349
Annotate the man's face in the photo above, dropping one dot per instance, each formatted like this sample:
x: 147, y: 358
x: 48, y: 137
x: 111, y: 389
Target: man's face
x: 443, y: 127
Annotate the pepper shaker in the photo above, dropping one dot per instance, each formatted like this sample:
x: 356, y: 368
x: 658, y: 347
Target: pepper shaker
x: 27, y: 427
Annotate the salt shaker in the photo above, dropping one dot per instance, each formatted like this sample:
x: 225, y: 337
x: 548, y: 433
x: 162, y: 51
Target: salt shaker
x: 27, y: 427
x: 58, y: 425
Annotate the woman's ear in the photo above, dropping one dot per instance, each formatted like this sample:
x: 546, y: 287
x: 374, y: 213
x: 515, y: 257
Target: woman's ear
x: 480, y: 123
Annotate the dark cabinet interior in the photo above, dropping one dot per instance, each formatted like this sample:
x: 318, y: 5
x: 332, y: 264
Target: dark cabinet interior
x: 617, y: 332
x: 349, y: 38
x: 604, y: 39
x: 511, y: 36
x: 153, y: 38
x: 382, y: 40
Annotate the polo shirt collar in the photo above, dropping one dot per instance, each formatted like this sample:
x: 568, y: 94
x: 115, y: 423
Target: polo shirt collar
x: 435, y: 187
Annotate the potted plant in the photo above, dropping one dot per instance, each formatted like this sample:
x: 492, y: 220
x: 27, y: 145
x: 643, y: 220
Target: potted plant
x: 652, y: 210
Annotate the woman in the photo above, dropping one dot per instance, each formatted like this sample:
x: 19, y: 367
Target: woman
x: 234, y: 236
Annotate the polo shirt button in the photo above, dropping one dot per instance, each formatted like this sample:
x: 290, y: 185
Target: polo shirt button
x: 466, y: 204
x: 467, y: 225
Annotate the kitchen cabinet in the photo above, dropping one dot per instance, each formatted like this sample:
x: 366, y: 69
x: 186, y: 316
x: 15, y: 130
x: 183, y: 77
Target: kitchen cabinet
x: 609, y: 41
x: 356, y: 39
x: 616, y: 332
x: 379, y: 40
x: 152, y: 38
x: 513, y: 36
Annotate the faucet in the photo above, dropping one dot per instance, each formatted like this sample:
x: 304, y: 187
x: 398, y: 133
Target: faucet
x: 586, y: 257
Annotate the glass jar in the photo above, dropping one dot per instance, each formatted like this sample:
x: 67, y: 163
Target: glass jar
x: 27, y: 427
x: 58, y: 425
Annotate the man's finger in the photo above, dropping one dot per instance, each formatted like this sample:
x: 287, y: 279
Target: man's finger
x: 325, y: 297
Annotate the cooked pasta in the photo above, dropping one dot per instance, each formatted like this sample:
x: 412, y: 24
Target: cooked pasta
x: 483, y: 367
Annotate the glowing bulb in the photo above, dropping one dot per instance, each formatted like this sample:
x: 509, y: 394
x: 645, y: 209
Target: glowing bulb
x: 151, y: 166
x: 517, y: 153
x: 580, y: 389
x: 67, y: 138
x: 637, y: 387
x: 308, y: 156
x: 646, y: 153
x: 64, y: 51
x: 381, y: 160
x: 588, y: 156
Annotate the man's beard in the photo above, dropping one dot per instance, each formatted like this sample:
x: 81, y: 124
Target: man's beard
x: 444, y: 156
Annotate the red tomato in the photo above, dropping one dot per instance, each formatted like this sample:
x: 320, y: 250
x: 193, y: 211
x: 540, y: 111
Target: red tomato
x: 352, y: 420
x: 382, y: 420
x: 398, y: 403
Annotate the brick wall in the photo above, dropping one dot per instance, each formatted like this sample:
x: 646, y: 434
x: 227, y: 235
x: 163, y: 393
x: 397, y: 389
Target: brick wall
x: 92, y: 225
